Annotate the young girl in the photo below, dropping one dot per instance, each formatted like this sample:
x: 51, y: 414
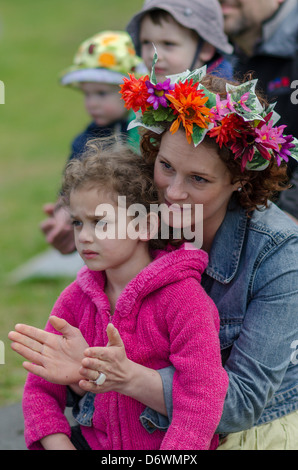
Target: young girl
x: 153, y: 297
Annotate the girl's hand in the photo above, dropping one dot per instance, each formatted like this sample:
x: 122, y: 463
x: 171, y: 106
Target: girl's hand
x: 55, y: 358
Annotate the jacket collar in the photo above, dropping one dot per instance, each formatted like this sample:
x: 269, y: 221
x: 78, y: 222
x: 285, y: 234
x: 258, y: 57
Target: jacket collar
x: 223, y: 263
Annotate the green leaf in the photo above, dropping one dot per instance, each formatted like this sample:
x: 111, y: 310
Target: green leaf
x: 198, y: 134
x: 253, y: 103
x: 258, y: 163
x: 163, y: 114
x: 153, y: 76
x: 294, y: 151
x: 196, y: 75
x: 211, y: 97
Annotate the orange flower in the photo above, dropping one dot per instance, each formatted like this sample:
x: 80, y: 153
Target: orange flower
x: 188, y: 104
x: 135, y: 93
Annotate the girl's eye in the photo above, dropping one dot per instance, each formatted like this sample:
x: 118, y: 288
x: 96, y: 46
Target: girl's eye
x: 76, y: 223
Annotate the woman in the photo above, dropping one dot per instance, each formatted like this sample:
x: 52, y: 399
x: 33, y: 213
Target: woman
x: 217, y: 145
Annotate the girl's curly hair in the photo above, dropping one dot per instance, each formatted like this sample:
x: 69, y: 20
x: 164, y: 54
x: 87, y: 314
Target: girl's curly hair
x: 258, y: 187
x: 110, y: 165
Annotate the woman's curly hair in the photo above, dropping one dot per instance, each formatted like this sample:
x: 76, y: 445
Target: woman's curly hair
x: 258, y: 187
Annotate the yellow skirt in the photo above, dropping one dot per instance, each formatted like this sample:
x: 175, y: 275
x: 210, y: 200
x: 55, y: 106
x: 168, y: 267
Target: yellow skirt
x: 280, y: 434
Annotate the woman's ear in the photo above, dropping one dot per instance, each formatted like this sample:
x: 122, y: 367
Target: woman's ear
x: 239, y: 185
x: 149, y: 227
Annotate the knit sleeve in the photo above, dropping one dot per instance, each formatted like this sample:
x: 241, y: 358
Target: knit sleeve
x: 44, y: 402
x: 200, y: 382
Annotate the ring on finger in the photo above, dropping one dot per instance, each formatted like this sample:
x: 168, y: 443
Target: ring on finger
x: 100, y: 379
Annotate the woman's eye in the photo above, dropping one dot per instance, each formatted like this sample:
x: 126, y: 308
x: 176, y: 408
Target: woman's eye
x: 166, y: 165
x: 199, y: 179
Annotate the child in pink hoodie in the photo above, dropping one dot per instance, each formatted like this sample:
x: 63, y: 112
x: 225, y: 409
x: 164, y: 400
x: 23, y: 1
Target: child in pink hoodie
x: 151, y: 295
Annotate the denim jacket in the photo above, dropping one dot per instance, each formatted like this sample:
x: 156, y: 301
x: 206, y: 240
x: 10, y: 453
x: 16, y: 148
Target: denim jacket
x: 252, y: 277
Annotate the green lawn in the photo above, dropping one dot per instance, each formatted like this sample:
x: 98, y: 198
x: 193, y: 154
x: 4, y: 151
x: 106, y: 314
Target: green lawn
x: 37, y: 123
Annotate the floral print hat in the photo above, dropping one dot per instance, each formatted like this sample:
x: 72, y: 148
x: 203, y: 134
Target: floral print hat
x: 105, y: 57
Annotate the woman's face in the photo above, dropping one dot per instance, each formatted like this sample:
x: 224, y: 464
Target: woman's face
x: 192, y: 175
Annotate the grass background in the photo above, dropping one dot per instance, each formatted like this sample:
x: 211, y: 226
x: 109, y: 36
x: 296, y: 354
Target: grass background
x: 39, y: 119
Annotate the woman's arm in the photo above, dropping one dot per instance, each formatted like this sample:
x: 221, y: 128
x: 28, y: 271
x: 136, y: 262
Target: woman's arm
x: 57, y: 442
x: 261, y: 355
x: 49, y: 351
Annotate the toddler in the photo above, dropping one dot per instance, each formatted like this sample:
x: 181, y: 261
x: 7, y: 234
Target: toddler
x: 98, y: 68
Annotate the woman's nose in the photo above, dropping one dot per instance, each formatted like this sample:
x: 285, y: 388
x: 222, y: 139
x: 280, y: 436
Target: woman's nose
x: 176, y: 191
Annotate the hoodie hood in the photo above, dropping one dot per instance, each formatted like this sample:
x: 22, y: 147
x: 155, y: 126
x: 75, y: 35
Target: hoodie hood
x: 166, y: 268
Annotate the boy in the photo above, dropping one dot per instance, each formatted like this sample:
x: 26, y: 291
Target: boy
x: 186, y: 34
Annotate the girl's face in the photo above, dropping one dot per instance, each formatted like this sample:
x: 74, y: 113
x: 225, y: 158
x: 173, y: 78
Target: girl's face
x: 192, y: 175
x: 103, y: 102
x: 176, y: 46
x: 97, y: 224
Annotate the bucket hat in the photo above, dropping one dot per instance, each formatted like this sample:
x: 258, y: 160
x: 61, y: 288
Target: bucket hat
x: 105, y: 57
x: 203, y: 16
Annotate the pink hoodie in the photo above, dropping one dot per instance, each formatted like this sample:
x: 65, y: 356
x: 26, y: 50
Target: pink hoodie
x: 164, y: 317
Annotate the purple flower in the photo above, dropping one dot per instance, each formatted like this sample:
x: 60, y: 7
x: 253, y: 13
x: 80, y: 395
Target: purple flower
x: 284, y: 151
x: 157, y: 93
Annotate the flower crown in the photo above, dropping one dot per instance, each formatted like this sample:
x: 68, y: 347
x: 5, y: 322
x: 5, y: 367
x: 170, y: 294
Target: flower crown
x: 238, y: 122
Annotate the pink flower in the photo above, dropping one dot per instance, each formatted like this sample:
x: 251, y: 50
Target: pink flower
x: 242, y: 101
x: 269, y: 136
x: 284, y: 151
x: 222, y: 108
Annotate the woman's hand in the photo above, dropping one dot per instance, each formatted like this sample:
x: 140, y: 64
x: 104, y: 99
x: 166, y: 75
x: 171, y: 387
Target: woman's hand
x: 55, y: 358
x: 58, y: 229
x: 122, y: 375
x: 111, y: 361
